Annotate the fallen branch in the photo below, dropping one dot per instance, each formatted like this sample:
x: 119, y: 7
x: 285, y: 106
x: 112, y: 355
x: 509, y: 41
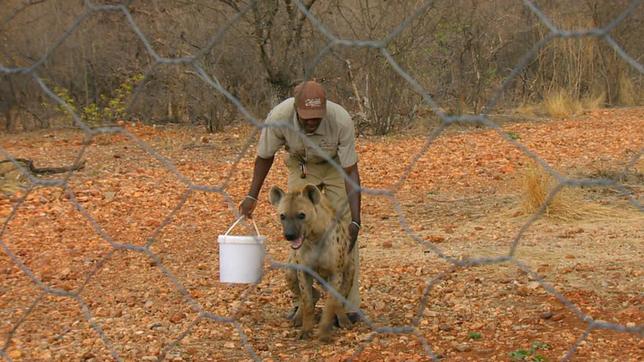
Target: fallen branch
x: 191, y: 146
x: 29, y: 164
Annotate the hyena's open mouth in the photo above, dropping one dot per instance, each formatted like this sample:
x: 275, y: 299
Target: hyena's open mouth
x: 297, y: 243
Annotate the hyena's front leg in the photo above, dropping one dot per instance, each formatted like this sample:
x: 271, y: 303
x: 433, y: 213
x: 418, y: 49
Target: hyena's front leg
x: 307, y: 306
x: 294, y: 287
x: 332, y: 307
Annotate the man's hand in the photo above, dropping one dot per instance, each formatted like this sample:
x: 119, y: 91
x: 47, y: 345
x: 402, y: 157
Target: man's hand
x: 353, y: 235
x: 247, y: 207
x: 352, y: 185
x: 262, y: 166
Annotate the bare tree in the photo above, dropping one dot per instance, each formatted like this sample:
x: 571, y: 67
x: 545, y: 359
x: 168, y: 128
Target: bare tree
x: 277, y: 32
x: 459, y: 51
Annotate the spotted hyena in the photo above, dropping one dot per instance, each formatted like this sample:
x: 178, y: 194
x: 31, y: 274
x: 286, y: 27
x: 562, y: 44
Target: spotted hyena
x: 320, y: 243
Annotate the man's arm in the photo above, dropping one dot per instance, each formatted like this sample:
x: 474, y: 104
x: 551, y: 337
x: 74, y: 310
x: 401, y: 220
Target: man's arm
x: 270, y: 140
x: 354, y: 196
x: 262, y: 166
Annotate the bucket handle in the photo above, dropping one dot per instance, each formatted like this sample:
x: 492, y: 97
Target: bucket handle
x: 237, y: 221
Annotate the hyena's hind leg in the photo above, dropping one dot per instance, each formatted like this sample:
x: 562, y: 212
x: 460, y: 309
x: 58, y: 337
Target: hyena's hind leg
x: 331, y: 308
x: 345, y: 289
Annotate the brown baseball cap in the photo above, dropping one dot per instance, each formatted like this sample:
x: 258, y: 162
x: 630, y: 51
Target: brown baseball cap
x: 310, y: 100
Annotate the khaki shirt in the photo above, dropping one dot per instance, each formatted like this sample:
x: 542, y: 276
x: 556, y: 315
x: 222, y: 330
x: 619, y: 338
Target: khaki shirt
x: 335, y: 136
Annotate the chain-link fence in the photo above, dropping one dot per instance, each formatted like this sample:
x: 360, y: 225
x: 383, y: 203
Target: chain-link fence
x: 193, y: 61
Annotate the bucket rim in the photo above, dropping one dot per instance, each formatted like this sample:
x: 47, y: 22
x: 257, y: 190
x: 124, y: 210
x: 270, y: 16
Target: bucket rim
x: 241, y: 239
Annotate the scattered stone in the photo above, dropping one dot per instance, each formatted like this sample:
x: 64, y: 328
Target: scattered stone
x: 547, y: 315
x: 154, y: 350
x: 463, y: 347
x: 229, y: 345
x: 533, y: 285
x: 109, y: 196
x: 484, y: 351
x: 46, y: 356
x: 445, y: 327
x: 558, y: 317
x: 543, y: 268
x: 177, y: 317
x: 477, y: 326
x: 15, y: 354
x: 380, y: 305
x: 629, y: 312
x: 387, y: 245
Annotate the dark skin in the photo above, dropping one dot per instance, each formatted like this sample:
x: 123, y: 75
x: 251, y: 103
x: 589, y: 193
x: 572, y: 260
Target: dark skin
x: 263, y: 165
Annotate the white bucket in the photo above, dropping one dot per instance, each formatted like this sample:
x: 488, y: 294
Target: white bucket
x: 241, y: 258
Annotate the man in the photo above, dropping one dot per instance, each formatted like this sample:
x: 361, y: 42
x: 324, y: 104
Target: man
x: 329, y: 126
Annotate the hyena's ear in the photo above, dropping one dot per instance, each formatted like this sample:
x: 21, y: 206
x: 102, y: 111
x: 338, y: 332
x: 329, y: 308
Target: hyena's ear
x: 275, y: 195
x: 312, y: 192
x: 322, y: 187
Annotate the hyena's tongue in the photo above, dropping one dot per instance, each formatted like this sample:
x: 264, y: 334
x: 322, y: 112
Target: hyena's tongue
x: 297, y: 243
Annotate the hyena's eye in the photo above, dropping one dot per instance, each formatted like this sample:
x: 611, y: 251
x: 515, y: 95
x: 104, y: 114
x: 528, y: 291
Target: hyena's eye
x: 282, y: 216
x: 301, y: 216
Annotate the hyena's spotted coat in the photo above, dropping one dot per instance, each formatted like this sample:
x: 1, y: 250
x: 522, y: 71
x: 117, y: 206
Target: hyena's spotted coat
x: 320, y: 243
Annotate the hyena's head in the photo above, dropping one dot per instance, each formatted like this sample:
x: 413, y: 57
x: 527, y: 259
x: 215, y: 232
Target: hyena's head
x: 297, y: 211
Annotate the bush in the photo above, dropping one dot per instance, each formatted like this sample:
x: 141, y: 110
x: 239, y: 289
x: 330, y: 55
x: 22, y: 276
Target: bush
x: 107, y: 111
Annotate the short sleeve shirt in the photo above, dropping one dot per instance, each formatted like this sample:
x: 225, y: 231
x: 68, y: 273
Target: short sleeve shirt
x: 335, y: 136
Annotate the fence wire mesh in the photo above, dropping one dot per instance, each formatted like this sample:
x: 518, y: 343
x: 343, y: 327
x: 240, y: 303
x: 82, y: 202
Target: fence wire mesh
x: 333, y: 41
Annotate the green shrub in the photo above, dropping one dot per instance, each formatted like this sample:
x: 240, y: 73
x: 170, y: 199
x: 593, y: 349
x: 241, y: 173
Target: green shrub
x: 107, y: 110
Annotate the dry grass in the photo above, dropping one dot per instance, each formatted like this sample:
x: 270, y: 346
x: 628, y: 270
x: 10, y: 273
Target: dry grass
x: 530, y: 110
x: 595, y: 100
x: 11, y: 179
x: 561, y: 103
x: 627, y: 95
x: 566, y: 205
